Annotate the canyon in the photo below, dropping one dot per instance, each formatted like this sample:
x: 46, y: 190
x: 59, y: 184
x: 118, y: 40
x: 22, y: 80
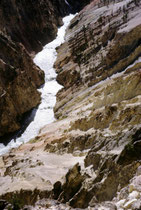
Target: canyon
x: 24, y: 29
x: 90, y: 157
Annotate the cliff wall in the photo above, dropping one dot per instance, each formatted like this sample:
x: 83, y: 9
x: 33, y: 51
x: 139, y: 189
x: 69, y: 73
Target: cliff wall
x: 19, y: 80
x: 99, y: 66
x: 99, y: 119
x: 25, y: 26
x: 34, y: 23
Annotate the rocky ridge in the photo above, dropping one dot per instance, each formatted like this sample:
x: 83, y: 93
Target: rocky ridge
x: 99, y: 117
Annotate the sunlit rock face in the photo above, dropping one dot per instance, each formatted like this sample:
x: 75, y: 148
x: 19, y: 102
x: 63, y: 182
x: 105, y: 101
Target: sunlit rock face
x: 99, y: 66
x: 97, y: 46
x: 99, y: 118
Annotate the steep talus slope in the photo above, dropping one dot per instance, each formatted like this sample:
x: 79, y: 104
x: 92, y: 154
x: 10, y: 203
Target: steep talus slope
x: 99, y: 118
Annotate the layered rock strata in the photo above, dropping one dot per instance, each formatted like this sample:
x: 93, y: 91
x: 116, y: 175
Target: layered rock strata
x: 99, y: 67
x: 99, y: 116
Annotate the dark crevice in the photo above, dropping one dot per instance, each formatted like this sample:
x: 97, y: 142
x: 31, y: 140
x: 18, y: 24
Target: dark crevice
x: 24, y: 121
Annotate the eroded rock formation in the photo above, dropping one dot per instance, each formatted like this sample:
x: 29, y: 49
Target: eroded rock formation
x: 99, y: 117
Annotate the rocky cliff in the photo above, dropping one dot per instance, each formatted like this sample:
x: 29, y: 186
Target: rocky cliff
x: 34, y: 24
x: 24, y: 28
x: 23, y: 25
x: 31, y: 24
x: 99, y: 67
x: 19, y: 80
x: 98, y: 132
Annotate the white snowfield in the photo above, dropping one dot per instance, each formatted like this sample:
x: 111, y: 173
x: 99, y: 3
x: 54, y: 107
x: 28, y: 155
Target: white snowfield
x: 44, y: 115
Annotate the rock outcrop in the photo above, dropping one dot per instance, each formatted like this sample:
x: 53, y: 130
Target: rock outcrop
x: 99, y: 117
x: 99, y: 67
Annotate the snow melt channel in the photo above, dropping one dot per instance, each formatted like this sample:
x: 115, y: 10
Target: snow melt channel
x: 44, y: 115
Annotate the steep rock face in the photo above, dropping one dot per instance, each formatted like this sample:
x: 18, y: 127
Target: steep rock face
x: 31, y: 24
x: 99, y: 67
x: 23, y: 25
x: 97, y: 46
x: 34, y: 24
x: 19, y: 80
x: 99, y: 117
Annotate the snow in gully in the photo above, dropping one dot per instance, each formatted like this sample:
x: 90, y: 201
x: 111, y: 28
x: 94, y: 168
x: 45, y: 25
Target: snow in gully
x: 44, y: 114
